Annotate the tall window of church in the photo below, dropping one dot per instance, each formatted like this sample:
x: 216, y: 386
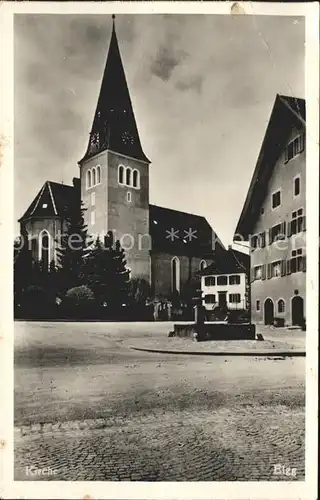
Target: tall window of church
x: 128, y: 176
x: 93, y: 218
x: 89, y: 179
x: 175, y: 275
x: 93, y: 199
x: 44, y: 243
x: 120, y: 174
x: 202, y: 265
x: 94, y: 177
x: 136, y: 179
x: 98, y: 174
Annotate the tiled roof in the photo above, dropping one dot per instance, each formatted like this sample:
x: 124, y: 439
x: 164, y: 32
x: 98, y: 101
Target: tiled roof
x: 114, y: 126
x: 228, y: 261
x: 171, y: 231
x: 178, y: 232
x: 52, y: 200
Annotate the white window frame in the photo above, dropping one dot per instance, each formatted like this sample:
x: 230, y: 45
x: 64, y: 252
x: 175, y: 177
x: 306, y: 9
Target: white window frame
x: 210, y: 277
x: 88, y: 178
x: 292, y: 141
x: 294, y: 181
x: 238, y: 276
x: 98, y: 169
x: 94, y: 176
x: 138, y: 178
x: 272, y: 194
x: 177, y: 287
x: 130, y: 176
x: 123, y: 174
x: 41, y: 234
x: 92, y: 217
x: 129, y: 196
x: 273, y: 267
x: 284, y: 307
x: 254, y: 272
x: 258, y: 305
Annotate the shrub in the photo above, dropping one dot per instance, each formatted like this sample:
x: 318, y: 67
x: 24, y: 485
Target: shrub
x: 79, y: 294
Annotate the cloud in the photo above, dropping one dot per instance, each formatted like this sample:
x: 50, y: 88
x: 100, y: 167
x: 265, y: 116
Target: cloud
x: 165, y: 62
x: 202, y: 89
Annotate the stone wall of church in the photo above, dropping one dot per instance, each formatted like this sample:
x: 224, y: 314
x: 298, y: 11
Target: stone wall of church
x: 128, y: 213
x: 35, y: 227
x: 161, y: 272
x: 95, y: 197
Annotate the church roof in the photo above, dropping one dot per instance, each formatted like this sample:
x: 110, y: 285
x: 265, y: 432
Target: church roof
x: 227, y: 262
x: 178, y: 232
x: 114, y: 126
x: 52, y: 200
x: 287, y: 112
x: 171, y: 231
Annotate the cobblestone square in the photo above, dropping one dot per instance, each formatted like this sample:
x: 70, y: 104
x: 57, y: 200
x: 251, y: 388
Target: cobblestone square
x: 87, y: 407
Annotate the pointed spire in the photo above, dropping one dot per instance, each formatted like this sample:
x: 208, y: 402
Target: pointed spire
x: 114, y: 126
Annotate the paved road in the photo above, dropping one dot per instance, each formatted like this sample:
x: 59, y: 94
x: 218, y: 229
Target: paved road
x: 89, y: 408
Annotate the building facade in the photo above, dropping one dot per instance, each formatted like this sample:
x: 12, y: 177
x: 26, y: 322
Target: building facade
x: 163, y: 246
x: 225, y: 283
x: 274, y: 219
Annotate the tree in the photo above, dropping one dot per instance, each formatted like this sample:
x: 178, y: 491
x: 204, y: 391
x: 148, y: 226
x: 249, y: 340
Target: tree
x: 72, y: 246
x: 139, y: 291
x: 23, y: 264
x: 106, y: 272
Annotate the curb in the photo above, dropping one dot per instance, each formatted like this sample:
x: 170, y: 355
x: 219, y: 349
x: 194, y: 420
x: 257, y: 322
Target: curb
x: 284, y: 354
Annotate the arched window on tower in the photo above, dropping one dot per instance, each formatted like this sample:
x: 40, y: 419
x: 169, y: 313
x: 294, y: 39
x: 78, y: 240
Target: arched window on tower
x: 136, y: 178
x: 94, y: 177
x: 202, y: 265
x: 98, y: 174
x: 88, y: 178
x: 175, y: 275
x: 128, y: 176
x: 44, y: 248
x: 120, y: 174
x: 281, y: 306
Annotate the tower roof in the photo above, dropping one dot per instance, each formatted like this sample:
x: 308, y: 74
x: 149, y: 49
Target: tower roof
x: 114, y: 126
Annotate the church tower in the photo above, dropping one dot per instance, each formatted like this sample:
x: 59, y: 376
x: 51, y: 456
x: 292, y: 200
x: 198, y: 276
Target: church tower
x: 114, y: 171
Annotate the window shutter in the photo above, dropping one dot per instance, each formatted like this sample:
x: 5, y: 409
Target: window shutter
x: 304, y: 263
x: 289, y: 230
x: 263, y: 239
x: 304, y: 223
x: 289, y: 266
x: 268, y: 271
x: 283, y: 267
x: 263, y: 272
x: 269, y: 236
x: 251, y: 275
x: 283, y: 229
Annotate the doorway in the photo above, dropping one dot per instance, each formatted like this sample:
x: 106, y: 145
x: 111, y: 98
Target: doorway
x: 268, y: 312
x: 222, y: 299
x: 297, y: 311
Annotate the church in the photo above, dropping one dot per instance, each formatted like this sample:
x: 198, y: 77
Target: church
x: 163, y: 246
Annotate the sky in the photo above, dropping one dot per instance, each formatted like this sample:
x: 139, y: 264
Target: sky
x: 202, y: 89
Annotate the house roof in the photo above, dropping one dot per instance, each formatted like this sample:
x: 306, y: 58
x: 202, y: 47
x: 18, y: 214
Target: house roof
x: 114, y: 126
x: 178, y: 232
x: 171, y: 231
x: 287, y: 112
x: 227, y: 262
x: 52, y: 200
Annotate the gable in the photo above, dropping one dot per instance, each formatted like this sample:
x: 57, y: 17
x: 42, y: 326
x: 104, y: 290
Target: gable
x: 53, y: 200
x: 181, y: 233
x: 287, y: 113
